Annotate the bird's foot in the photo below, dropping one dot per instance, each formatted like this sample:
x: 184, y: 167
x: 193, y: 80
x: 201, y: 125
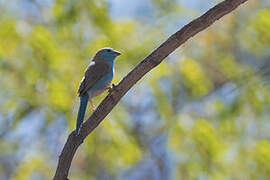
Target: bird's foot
x: 111, y: 89
x: 92, y: 105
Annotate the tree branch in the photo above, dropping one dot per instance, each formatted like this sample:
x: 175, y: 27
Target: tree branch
x: 147, y: 64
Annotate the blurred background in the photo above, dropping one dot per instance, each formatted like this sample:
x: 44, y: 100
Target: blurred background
x: 204, y: 113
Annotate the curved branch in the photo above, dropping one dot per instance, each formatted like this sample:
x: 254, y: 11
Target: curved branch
x: 147, y: 64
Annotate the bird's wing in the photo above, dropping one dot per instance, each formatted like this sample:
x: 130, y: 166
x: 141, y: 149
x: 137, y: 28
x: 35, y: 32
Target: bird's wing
x: 95, y: 71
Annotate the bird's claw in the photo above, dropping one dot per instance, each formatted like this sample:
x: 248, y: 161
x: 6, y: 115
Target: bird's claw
x: 111, y: 89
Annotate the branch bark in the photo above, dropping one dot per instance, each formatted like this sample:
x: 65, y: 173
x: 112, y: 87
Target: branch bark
x: 147, y: 64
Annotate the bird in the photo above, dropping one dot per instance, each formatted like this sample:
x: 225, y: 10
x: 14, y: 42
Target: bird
x: 97, y: 78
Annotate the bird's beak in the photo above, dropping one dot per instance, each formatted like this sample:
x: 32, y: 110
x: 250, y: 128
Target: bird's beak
x: 117, y: 53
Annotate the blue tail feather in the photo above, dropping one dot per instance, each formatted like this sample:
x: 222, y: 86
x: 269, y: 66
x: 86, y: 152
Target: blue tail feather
x: 83, y: 105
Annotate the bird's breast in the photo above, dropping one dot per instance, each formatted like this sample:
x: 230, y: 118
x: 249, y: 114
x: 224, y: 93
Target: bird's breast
x: 101, y: 85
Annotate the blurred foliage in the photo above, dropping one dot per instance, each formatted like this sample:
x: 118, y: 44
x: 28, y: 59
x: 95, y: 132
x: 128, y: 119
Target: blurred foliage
x: 203, y: 113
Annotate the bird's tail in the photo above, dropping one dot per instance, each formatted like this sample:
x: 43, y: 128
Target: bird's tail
x: 83, y: 105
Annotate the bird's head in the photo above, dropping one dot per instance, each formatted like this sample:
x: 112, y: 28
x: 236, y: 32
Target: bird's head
x: 108, y: 54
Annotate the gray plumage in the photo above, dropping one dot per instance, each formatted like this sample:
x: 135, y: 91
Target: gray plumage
x: 95, y: 71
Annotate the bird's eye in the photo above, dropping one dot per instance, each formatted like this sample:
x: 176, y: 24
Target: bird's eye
x: 109, y: 50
